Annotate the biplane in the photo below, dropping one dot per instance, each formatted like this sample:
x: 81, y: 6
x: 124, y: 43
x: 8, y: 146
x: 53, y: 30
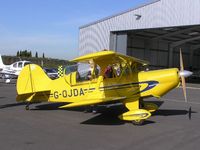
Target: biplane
x: 110, y: 77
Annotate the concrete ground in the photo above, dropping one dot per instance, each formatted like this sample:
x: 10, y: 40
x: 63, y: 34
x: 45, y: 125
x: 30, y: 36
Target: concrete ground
x: 47, y: 127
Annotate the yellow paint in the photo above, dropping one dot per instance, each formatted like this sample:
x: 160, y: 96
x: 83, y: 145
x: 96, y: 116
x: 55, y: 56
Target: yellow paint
x: 131, y: 104
x: 138, y: 114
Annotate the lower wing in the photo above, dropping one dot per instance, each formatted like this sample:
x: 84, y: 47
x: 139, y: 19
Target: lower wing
x: 93, y: 102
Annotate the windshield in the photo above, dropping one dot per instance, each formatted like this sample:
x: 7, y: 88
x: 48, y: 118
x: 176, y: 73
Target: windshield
x: 50, y: 70
x: 84, y: 70
x: 70, y: 69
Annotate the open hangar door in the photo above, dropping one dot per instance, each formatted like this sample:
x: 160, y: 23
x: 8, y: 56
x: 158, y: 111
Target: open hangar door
x: 161, y: 46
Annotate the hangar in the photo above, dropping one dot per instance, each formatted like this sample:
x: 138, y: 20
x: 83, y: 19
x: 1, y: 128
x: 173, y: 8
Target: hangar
x: 154, y: 32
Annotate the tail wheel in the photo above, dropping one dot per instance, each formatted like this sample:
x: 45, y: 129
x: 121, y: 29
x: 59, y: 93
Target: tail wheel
x: 27, y: 106
x: 138, y: 122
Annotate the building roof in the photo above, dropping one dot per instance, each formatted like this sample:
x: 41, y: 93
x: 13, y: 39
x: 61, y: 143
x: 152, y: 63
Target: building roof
x: 121, y: 13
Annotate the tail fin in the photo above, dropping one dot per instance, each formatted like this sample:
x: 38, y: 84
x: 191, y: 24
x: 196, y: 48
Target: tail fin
x: 32, y: 79
x: 1, y: 62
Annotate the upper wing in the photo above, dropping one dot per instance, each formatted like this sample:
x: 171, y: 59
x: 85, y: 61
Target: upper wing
x: 86, y: 102
x: 108, y: 57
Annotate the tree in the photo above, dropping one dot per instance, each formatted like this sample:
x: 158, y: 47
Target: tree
x: 36, y: 55
x: 25, y: 53
x: 18, y: 54
x: 30, y: 54
x: 43, y: 55
x: 22, y: 53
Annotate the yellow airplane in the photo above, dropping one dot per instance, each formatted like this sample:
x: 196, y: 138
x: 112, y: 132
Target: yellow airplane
x: 112, y: 77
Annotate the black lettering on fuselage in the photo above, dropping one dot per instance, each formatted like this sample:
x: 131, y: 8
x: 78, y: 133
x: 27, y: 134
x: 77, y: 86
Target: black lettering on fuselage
x: 75, y: 92
x: 64, y: 93
x: 81, y: 92
x: 56, y: 95
x: 70, y: 93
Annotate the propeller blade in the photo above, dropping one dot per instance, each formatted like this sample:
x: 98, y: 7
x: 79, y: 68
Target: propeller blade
x: 184, y: 87
x: 182, y: 76
x: 181, y: 61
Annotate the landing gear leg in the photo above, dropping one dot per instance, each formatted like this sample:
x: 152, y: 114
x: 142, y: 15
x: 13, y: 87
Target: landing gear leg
x: 141, y: 103
x: 136, y: 114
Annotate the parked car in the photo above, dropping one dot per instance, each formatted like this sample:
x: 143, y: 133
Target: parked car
x: 51, y: 72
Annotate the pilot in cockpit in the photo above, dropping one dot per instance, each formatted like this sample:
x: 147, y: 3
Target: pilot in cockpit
x: 108, y: 72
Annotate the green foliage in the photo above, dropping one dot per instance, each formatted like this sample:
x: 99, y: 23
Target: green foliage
x: 47, y: 62
x: 27, y: 55
x: 18, y: 54
x: 24, y: 53
x: 36, y: 55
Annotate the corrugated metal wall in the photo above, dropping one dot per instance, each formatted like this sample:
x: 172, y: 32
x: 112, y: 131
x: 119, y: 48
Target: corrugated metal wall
x: 162, y: 13
x: 156, y: 52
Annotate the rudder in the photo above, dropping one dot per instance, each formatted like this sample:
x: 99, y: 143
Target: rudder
x: 32, y: 79
x: 1, y: 62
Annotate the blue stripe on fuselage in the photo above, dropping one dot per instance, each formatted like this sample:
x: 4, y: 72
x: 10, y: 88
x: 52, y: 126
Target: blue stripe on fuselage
x: 151, y: 84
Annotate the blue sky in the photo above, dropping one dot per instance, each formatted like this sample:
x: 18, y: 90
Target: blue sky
x: 51, y: 26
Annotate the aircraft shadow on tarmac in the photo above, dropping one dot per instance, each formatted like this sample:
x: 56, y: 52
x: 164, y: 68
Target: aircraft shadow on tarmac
x: 170, y: 112
x: 104, y: 115
x: 109, y: 117
x: 11, y: 105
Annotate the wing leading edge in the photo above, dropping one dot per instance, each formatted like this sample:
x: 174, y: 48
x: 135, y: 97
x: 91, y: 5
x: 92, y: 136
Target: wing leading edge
x: 109, y: 57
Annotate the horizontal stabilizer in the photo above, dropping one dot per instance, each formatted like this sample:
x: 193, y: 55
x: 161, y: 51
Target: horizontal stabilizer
x: 92, y: 102
x: 30, y: 96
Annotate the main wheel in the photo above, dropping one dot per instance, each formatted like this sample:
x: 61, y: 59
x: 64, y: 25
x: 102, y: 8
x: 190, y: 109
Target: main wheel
x: 138, y: 122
